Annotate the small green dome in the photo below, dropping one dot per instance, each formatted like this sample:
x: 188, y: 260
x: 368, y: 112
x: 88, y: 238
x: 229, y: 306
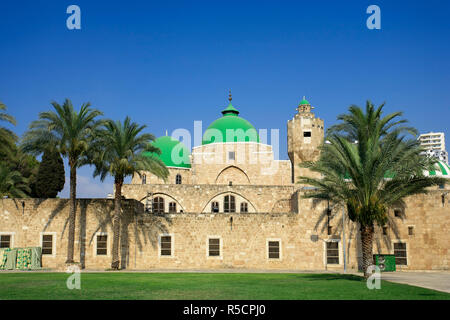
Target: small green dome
x: 442, y: 169
x: 238, y: 129
x: 173, y: 152
x: 303, y: 102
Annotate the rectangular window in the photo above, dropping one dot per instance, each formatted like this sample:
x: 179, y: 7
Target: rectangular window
x: 229, y: 204
x: 166, y: 245
x: 274, y: 249
x: 102, y: 245
x: 397, y: 213
x: 214, y: 247
x: 411, y: 230
x: 384, y: 231
x: 332, y: 252
x: 215, y: 206
x: 400, y: 254
x: 307, y: 134
x: 172, y: 207
x: 231, y: 155
x: 47, y: 244
x: 5, y: 241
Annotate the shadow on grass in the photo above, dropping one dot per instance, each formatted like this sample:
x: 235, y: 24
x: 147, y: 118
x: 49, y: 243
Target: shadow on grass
x: 331, y: 276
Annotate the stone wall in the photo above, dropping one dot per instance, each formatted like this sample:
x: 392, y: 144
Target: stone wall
x: 244, y: 238
x: 253, y: 164
x: 197, y: 198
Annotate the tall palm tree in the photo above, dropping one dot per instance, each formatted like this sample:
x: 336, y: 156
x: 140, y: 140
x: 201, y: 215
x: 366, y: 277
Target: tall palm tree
x: 7, y: 137
x: 12, y: 183
x: 119, y: 153
x: 369, y: 165
x: 71, y: 133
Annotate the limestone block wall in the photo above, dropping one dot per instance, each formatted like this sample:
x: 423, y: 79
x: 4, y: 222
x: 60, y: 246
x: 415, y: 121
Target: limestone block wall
x: 185, y: 173
x: 243, y: 237
x: 27, y: 223
x: 422, y: 224
x: 196, y: 198
x: 253, y: 163
x: 301, y: 145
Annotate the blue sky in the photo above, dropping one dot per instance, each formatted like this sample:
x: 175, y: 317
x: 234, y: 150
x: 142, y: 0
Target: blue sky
x: 166, y: 64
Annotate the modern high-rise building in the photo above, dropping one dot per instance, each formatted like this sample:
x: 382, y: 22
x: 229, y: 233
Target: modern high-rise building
x: 434, y: 144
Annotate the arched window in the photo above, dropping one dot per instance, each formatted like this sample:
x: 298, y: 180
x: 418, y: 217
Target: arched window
x: 178, y: 179
x: 244, y: 207
x: 144, y: 179
x: 158, y: 205
x: 229, y: 204
x: 172, y: 207
x: 214, y: 206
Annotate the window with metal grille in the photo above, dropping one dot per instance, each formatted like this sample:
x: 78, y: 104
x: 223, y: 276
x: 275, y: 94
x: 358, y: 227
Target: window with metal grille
x: 47, y: 244
x: 231, y: 155
x: 333, y: 252
x: 5, y: 241
x: 229, y: 204
x: 178, y: 179
x: 144, y: 179
x: 102, y: 245
x: 400, y: 253
x: 274, y: 249
x: 166, y: 245
x: 244, y: 207
x: 214, y: 247
x: 172, y: 207
x: 214, y: 206
x: 158, y: 205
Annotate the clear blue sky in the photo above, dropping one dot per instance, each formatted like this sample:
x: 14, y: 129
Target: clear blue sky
x: 166, y: 64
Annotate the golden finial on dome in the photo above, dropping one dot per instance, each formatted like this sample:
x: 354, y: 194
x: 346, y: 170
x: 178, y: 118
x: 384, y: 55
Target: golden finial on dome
x: 229, y: 96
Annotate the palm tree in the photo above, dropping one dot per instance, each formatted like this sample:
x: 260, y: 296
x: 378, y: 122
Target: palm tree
x: 12, y: 183
x: 71, y: 133
x: 369, y: 165
x: 119, y: 153
x: 7, y: 137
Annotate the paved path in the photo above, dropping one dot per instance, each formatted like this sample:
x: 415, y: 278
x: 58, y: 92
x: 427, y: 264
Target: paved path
x: 432, y: 280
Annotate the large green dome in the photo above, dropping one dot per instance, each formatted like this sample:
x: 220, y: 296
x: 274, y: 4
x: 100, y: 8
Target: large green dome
x: 173, y: 152
x: 238, y: 129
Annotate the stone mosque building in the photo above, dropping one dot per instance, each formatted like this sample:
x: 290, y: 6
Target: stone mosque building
x: 228, y: 203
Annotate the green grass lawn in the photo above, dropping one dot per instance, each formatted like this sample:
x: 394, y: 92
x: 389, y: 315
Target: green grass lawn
x: 222, y: 286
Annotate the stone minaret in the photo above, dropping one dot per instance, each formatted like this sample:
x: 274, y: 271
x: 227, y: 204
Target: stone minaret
x: 305, y: 134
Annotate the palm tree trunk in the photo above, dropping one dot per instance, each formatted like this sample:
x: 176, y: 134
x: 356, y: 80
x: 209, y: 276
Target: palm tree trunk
x: 116, y: 222
x: 367, y: 245
x: 72, y: 211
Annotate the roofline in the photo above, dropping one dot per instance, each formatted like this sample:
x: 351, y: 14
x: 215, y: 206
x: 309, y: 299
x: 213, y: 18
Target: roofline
x: 212, y: 143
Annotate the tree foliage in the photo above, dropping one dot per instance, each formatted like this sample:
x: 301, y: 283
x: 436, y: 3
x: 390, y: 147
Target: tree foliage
x: 119, y: 152
x: 50, y: 178
x: 70, y: 133
x: 12, y: 183
x: 368, y: 164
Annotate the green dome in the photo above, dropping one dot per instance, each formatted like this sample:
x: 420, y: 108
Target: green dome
x: 304, y: 101
x: 239, y: 129
x: 167, y: 144
x: 442, y: 169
